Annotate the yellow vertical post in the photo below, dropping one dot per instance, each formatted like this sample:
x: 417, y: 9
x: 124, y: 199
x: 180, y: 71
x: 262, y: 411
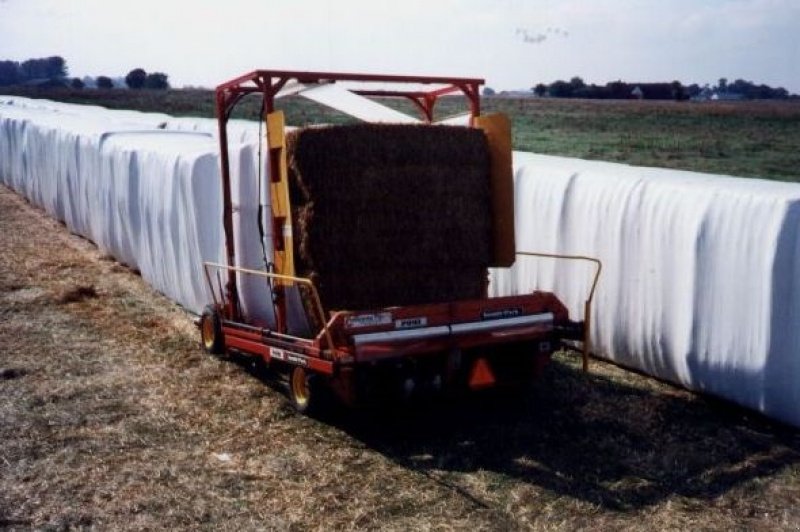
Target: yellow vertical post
x: 281, y: 209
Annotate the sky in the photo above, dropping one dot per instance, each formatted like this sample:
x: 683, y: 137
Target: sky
x: 513, y: 44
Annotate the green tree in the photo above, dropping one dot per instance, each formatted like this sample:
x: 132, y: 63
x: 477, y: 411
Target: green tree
x: 560, y: 89
x: 540, y: 89
x: 488, y: 91
x: 677, y: 91
x: 55, y: 67
x: 104, y: 82
x: 32, y: 69
x: 136, y: 78
x: 52, y: 68
x: 9, y: 73
x: 76, y: 83
x: 618, y: 90
x: 156, y: 80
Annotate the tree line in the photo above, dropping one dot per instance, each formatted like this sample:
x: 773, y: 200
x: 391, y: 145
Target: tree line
x: 45, y: 68
x: 675, y: 90
x: 53, y: 72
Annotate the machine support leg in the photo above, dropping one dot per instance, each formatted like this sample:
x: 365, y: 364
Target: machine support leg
x: 587, y: 342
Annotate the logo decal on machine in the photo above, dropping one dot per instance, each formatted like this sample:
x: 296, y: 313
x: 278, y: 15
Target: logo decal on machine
x: 501, y: 313
x: 368, y: 320
x: 411, y: 323
x: 287, y: 356
x: 296, y: 359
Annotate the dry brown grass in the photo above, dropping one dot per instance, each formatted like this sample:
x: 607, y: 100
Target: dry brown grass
x: 111, y: 417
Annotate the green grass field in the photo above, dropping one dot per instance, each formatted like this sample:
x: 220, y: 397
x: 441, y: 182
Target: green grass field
x: 759, y: 139
x: 749, y: 139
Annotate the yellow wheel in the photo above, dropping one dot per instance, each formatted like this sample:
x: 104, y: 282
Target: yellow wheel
x: 307, y: 392
x: 300, y: 389
x: 211, y: 331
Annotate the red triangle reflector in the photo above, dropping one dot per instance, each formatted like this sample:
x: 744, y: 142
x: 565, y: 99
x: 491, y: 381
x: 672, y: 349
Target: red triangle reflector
x: 481, y: 375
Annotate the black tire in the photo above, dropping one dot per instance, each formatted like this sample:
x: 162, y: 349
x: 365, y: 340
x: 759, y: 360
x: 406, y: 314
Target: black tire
x: 211, y: 331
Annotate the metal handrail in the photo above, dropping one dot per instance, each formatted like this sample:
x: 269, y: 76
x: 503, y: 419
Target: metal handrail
x: 299, y: 280
x: 587, y: 308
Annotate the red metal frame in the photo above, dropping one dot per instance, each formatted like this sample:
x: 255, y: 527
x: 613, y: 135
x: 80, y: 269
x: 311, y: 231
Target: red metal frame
x: 423, y: 335
x: 270, y: 82
x: 463, y: 328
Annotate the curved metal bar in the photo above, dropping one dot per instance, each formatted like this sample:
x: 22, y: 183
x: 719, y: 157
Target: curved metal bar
x: 587, y: 308
x: 299, y: 280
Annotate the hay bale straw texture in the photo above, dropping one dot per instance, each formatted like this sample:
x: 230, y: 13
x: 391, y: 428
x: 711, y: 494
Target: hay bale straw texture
x: 391, y: 214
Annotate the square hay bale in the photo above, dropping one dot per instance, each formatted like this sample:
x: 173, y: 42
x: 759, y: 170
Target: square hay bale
x: 391, y: 214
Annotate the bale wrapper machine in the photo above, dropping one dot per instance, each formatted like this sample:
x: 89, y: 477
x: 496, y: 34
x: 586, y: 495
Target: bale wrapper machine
x: 357, y: 354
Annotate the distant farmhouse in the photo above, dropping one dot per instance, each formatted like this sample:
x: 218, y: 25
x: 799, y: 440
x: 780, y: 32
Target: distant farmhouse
x: 709, y: 95
x: 727, y: 96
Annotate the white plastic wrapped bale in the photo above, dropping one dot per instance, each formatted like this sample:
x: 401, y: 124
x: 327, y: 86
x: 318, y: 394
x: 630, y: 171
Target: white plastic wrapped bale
x: 148, y: 195
x: 156, y: 206
x: 251, y: 251
x: 52, y: 159
x: 152, y: 198
x: 92, y: 112
x: 698, y: 284
x: 239, y: 131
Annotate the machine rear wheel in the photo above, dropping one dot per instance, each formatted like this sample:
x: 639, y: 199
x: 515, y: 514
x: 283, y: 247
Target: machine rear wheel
x: 211, y: 331
x: 303, y: 391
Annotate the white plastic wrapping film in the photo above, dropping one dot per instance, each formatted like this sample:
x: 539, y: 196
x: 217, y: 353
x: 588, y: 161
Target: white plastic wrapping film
x: 354, y: 105
x: 698, y: 283
x: 152, y: 199
x: 462, y: 119
x: 239, y: 131
x: 254, y: 290
x: 156, y: 213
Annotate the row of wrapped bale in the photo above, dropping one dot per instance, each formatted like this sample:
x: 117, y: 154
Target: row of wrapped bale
x: 698, y: 283
x: 150, y: 198
x: 239, y: 131
x: 391, y: 214
x: 699, y: 271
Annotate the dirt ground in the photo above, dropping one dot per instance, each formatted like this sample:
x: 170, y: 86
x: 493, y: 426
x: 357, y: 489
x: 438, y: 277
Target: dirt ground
x: 112, y: 417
